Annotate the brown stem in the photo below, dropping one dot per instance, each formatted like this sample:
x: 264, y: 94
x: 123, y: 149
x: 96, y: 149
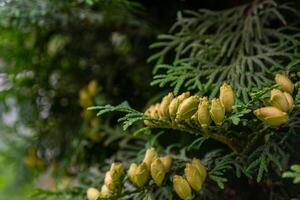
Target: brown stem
x: 218, y: 137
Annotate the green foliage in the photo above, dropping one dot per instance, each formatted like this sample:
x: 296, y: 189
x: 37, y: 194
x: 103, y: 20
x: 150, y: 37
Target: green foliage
x: 294, y: 173
x: 238, y: 46
x: 261, y: 159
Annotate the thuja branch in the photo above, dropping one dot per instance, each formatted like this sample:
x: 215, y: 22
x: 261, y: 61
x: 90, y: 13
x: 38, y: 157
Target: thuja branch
x: 204, y: 132
x: 133, y: 116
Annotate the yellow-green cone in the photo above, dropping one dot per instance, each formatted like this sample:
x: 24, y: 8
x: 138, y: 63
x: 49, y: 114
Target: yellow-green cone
x: 92, y: 88
x: 285, y: 83
x: 158, y: 171
x: 187, y: 108
x: 203, y: 113
x: 105, y: 192
x: 113, y: 177
x: 167, y: 162
x: 132, y: 171
x: 138, y: 175
x: 150, y: 156
x: 193, y: 177
x: 217, y: 112
x: 290, y: 101
x: 271, y: 116
x: 110, y: 184
x: 85, y: 99
x: 278, y: 100
x: 182, y: 188
x: 164, y: 106
x: 202, y: 170
x: 92, y: 194
x: 227, y: 97
x: 152, y: 111
x: 173, y: 107
x: 117, y: 171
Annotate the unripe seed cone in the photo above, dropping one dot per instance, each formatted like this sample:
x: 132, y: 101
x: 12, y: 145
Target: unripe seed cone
x: 158, y: 171
x: 164, y: 106
x: 109, y: 182
x: 132, y: 171
x: 150, y: 156
x: 278, y: 100
x: 187, y: 108
x: 217, y: 111
x: 92, y: 88
x: 155, y: 110
x: 174, y: 104
x: 92, y: 194
x: 150, y: 112
x: 105, y: 192
x: 276, y: 120
x: 112, y: 184
x: 138, y: 175
x: 195, y: 117
x: 182, y: 188
x: 203, y: 113
x: 117, y: 171
x: 183, y: 96
x: 200, y: 167
x: 193, y: 177
x: 167, y: 162
x: 285, y: 83
x: 227, y: 97
x: 290, y: 101
x: 84, y: 99
x: 271, y: 116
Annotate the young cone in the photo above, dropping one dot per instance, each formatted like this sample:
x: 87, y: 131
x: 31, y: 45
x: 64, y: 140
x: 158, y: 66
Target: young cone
x: 227, y: 97
x: 92, y: 194
x: 92, y: 88
x: 138, y: 175
x: 167, y: 162
x: 110, y: 184
x: 203, y: 113
x: 105, y: 192
x: 290, y: 101
x: 150, y: 156
x: 217, y: 112
x: 187, y: 108
x: 182, y: 188
x: 202, y: 170
x: 285, y: 83
x: 271, y: 116
x: 158, y: 171
x: 193, y: 177
x: 278, y: 100
x: 132, y: 171
x: 164, y: 106
x: 117, y: 171
x: 173, y: 107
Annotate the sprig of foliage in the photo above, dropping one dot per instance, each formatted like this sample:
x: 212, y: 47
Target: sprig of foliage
x: 263, y: 157
x: 294, y: 173
x: 133, y: 116
x: 237, y: 45
x: 129, y: 119
x: 221, y: 164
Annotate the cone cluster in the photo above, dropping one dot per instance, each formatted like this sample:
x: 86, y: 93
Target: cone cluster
x: 152, y: 167
x: 281, y: 102
x: 193, y: 179
x: 112, y: 183
x: 139, y: 175
x: 199, y: 109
